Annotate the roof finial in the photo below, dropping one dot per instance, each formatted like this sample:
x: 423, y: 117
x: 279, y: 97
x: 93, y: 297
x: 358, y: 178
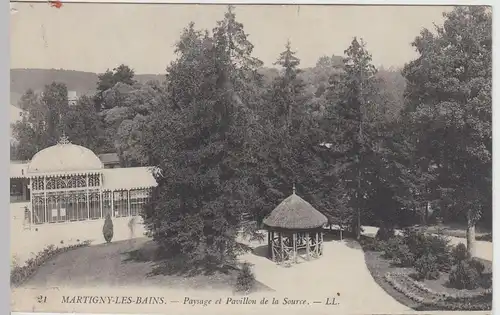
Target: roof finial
x: 64, y: 139
x: 294, y: 188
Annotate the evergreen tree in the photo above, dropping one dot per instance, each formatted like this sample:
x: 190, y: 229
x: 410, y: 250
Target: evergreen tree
x: 285, y: 157
x: 206, y: 130
x: 351, y: 129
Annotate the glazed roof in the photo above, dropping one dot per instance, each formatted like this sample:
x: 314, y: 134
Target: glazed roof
x: 64, y: 157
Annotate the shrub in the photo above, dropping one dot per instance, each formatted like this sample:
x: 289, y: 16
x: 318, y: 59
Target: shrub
x: 421, y: 244
x: 404, y: 257
x: 391, y: 247
x: 477, y: 265
x: 427, y: 267
x: 439, y: 246
x: 460, y: 253
x: 246, y: 279
x: 107, y: 229
x: 464, y: 276
x: 384, y: 233
x: 371, y: 244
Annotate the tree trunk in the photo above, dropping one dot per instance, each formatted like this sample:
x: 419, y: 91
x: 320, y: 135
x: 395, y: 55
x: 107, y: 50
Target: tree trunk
x: 471, y: 238
x: 358, y: 226
x: 358, y: 223
x: 426, y: 214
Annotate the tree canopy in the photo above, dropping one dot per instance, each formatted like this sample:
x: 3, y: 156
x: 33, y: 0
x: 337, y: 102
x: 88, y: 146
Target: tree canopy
x: 230, y: 137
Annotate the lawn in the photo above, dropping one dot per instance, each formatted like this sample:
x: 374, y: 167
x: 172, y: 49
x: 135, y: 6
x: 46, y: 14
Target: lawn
x: 123, y: 263
x: 378, y: 268
x: 457, y: 230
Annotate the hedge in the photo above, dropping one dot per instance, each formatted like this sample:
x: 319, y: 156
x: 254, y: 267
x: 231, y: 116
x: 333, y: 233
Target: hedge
x: 19, y: 274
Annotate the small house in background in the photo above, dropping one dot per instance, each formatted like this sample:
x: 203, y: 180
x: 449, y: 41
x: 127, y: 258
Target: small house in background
x: 110, y: 160
x: 72, y: 98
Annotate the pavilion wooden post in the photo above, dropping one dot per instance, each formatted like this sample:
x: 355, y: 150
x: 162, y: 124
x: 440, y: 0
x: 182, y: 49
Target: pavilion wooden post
x: 281, y: 248
x: 321, y: 249
x: 272, y: 247
x: 316, y: 249
x: 269, y: 248
x: 307, y: 245
x: 295, y: 247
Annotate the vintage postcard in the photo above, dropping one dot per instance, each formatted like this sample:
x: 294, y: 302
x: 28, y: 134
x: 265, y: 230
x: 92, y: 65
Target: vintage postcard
x: 183, y: 158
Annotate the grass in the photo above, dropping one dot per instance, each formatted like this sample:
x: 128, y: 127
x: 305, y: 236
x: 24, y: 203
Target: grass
x: 125, y: 263
x: 457, y: 230
x: 378, y: 267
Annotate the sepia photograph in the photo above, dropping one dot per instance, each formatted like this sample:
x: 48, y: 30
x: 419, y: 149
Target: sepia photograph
x: 220, y: 158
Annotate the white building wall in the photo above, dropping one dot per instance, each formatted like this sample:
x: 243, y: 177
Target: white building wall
x: 27, y: 241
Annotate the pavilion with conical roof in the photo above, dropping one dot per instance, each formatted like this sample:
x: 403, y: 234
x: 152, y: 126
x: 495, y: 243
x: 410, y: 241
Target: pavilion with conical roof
x: 295, y: 230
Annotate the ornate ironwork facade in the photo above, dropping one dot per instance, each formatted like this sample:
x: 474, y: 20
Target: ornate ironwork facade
x: 78, y: 197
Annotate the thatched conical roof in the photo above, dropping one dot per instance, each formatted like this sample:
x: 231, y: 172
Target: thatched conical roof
x: 294, y: 213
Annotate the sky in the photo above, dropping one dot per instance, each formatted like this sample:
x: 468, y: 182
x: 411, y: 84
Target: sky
x: 94, y: 37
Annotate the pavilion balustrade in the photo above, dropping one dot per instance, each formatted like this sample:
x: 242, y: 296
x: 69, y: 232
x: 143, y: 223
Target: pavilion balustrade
x: 287, y: 247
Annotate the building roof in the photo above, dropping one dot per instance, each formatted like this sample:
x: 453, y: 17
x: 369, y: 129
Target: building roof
x: 64, y: 157
x: 18, y: 169
x: 294, y: 213
x: 108, y: 158
x: 113, y: 178
x: 128, y: 178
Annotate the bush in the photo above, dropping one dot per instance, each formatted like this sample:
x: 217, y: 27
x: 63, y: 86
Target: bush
x: 421, y: 244
x: 460, y: 253
x: 246, y: 279
x: 464, y: 276
x: 384, y: 233
x: 477, y: 265
x: 391, y: 247
x: 107, y: 229
x: 371, y: 244
x: 404, y: 257
x: 427, y: 267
